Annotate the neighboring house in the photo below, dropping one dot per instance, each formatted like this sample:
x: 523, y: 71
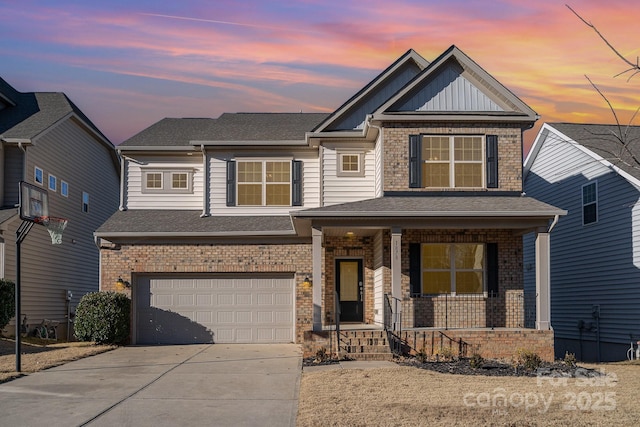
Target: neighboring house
x: 595, y: 276
x: 47, y: 141
x: 401, y: 211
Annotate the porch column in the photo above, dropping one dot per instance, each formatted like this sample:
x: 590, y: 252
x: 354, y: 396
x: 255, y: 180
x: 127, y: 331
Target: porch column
x: 396, y: 263
x: 543, y: 280
x: 316, y: 245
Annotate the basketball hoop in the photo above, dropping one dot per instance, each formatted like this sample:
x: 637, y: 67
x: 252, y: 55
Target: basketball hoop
x: 55, y: 227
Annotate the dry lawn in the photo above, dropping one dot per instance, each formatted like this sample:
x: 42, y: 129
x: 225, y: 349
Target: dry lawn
x: 407, y: 396
x: 36, y: 357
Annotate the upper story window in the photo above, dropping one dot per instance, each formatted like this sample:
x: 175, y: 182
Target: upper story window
x: 350, y: 163
x: 53, y: 183
x: 38, y: 175
x: 453, y: 161
x: 264, y: 183
x: 590, y: 203
x: 64, y: 188
x: 85, y: 202
x: 167, y: 181
x: 272, y: 182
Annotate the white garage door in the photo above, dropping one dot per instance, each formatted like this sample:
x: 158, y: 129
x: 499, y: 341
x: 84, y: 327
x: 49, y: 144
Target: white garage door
x: 238, y: 309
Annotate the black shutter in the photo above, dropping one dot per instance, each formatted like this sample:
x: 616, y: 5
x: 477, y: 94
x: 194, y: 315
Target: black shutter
x: 231, y: 183
x: 415, y: 162
x: 492, y: 269
x: 415, y: 275
x: 492, y: 161
x: 296, y: 183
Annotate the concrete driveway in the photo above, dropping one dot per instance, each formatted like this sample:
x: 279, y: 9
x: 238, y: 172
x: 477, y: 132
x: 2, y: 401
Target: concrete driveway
x: 185, y: 385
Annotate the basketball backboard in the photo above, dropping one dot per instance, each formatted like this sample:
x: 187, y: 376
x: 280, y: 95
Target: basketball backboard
x: 34, y: 202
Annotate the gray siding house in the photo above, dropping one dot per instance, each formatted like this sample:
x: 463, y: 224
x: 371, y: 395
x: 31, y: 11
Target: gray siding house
x: 47, y: 141
x: 595, y: 253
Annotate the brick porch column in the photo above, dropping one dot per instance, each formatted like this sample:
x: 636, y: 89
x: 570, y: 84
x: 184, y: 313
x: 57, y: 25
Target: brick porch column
x: 316, y: 244
x: 543, y: 279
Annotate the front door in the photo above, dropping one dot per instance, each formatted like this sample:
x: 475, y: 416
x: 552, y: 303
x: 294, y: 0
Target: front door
x: 349, y: 284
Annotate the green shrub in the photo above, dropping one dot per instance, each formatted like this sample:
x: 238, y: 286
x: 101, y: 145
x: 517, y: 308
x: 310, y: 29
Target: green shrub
x: 7, y: 302
x: 103, y: 317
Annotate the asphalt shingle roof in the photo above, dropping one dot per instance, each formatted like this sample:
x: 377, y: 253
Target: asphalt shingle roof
x: 6, y: 214
x: 35, y: 112
x: 175, y: 222
x: 240, y: 127
x: 431, y: 206
x: 601, y: 140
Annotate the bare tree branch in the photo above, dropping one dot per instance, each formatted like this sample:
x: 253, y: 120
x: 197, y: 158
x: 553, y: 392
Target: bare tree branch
x: 633, y: 68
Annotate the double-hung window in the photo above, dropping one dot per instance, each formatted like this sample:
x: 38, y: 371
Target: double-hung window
x: 264, y: 182
x: 453, y: 161
x: 590, y: 203
x: 457, y: 268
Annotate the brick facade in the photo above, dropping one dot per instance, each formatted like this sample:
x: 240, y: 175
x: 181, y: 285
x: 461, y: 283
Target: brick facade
x: 396, y: 151
x: 126, y: 261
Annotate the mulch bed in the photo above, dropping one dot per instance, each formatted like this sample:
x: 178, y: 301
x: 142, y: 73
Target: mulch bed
x: 496, y: 368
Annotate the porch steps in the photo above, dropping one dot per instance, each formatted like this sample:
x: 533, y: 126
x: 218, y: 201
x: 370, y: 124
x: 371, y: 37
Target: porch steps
x: 365, y: 345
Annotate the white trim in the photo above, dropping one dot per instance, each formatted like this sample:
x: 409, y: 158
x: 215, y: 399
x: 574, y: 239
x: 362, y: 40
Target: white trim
x: 53, y: 188
x: 340, y: 154
x: 35, y: 176
x: 64, y: 184
x: 595, y: 202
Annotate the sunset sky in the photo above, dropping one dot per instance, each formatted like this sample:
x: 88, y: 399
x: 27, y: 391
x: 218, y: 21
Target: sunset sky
x: 128, y: 64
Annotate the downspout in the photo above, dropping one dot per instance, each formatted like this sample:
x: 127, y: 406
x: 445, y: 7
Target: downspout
x: 123, y: 164
x: 368, y: 122
x: 206, y: 183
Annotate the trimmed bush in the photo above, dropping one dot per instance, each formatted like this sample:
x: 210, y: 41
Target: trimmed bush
x: 103, y: 317
x: 7, y: 302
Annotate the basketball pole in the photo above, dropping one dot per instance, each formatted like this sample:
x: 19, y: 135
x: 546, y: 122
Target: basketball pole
x: 21, y: 233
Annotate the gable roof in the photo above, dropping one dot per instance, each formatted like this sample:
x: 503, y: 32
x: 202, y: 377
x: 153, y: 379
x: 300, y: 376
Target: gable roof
x: 598, y: 141
x: 34, y: 112
x: 364, y: 99
x: 468, y: 93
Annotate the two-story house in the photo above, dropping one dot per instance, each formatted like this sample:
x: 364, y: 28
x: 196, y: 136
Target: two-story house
x: 47, y: 141
x: 592, y: 171
x: 401, y: 210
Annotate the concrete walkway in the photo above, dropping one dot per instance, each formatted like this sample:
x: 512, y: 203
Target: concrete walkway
x: 190, y: 385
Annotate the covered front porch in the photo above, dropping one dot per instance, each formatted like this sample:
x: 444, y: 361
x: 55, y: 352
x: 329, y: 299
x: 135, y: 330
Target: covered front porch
x: 450, y: 269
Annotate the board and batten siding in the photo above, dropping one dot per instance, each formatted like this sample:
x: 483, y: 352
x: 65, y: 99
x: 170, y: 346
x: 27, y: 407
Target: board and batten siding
x: 48, y: 271
x: 218, y: 180
x: 138, y: 199
x: 344, y: 189
x: 596, y: 264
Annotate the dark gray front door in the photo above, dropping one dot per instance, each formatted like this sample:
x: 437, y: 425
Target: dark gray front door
x: 349, y: 284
